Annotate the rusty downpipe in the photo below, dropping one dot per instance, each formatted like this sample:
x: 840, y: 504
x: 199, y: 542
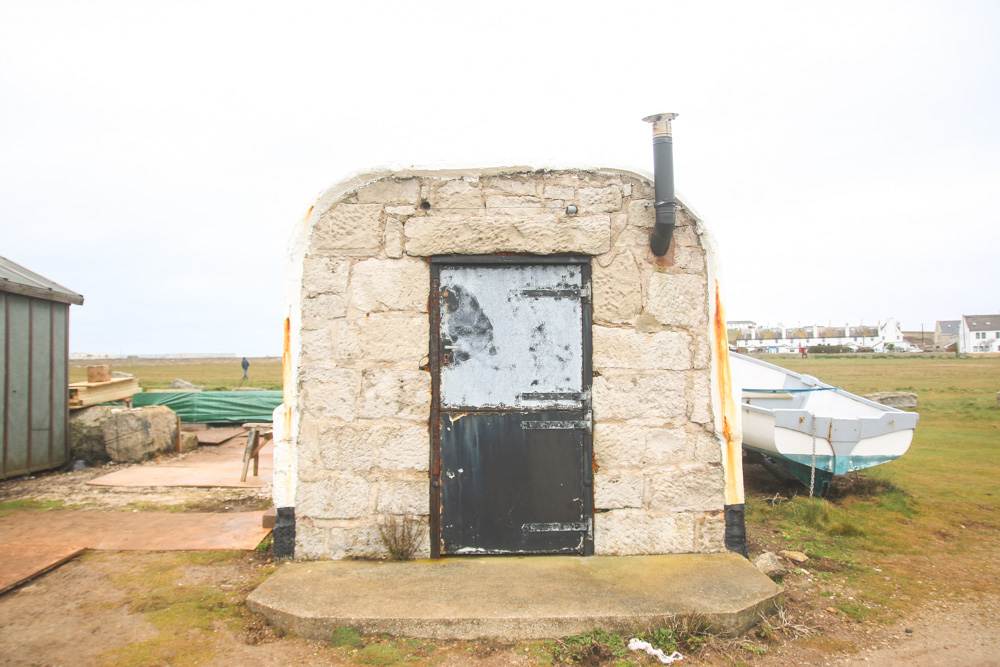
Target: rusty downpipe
x: 663, y: 181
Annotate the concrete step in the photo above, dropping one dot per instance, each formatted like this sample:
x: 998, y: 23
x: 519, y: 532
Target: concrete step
x: 515, y: 598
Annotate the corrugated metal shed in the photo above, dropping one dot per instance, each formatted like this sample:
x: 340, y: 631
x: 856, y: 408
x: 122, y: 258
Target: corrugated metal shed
x: 34, y: 354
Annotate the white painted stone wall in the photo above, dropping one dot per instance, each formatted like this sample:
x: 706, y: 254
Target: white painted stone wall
x: 361, y: 402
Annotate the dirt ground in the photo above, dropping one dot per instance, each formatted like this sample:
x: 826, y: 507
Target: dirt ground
x: 106, y: 608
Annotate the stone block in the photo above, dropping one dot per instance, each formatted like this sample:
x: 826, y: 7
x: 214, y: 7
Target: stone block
x: 688, y: 258
x: 393, y: 238
x: 316, y: 345
x: 458, y: 194
x: 641, y: 213
x: 386, y: 284
x: 353, y: 230
x: 86, y: 437
x: 632, y: 532
x: 189, y: 441
x: 319, y: 310
x: 367, y: 445
x: 401, y: 211
x: 702, y: 352
x: 382, y: 338
x: 542, y: 234
x: 687, y: 488
x: 617, y: 491
x: 341, y: 496
x: 403, y: 394
x: 600, y: 200
x: 628, y: 348
x: 137, y: 434
x: 391, y: 191
x: 514, y: 205
x: 686, y: 236
x: 706, y: 446
x: 617, y: 290
x: 710, y: 532
x: 324, y: 275
x: 769, y: 564
x: 700, y: 399
x: 678, y: 299
x: 628, y: 395
x: 327, y: 391
x: 513, y: 186
x: 631, y: 445
x: 405, y: 498
x: 563, y: 192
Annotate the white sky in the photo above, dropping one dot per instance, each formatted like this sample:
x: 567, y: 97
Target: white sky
x: 155, y: 155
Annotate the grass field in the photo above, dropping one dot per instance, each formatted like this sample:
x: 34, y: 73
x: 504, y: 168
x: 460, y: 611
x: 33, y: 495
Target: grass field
x: 213, y: 374
x: 923, y: 524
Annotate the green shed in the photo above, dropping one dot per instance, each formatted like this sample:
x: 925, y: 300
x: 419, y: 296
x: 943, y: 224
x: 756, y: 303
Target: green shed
x: 34, y: 355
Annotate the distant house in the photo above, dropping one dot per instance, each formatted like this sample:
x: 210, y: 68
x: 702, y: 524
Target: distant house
x: 979, y: 334
x: 34, y: 348
x: 886, y: 336
x: 946, y: 333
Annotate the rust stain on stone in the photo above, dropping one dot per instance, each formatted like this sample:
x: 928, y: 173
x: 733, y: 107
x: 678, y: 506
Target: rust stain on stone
x: 286, y: 377
x: 733, y: 453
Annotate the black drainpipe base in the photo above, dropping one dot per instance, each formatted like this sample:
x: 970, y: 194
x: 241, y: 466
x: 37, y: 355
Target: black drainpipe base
x: 736, y: 529
x: 283, y: 533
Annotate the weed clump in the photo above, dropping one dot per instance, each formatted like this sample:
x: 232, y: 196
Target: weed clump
x: 401, y: 536
x: 345, y: 636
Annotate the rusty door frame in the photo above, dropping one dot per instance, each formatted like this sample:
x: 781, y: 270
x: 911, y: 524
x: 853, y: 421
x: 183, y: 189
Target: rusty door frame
x: 434, y: 312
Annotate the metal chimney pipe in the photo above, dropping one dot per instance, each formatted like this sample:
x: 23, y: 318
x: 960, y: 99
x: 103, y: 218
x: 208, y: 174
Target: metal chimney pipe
x: 663, y: 179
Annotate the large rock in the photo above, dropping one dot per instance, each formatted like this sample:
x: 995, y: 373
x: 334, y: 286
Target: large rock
x: 137, y: 434
x: 769, y: 564
x: 894, y: 399
x: 86, y: 438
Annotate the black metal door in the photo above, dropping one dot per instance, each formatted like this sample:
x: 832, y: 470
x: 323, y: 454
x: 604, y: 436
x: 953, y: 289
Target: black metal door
x: 511, y: 461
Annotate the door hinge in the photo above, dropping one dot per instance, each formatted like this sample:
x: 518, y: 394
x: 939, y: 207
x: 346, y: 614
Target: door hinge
x: 587, y: 424
x: 582, y: 293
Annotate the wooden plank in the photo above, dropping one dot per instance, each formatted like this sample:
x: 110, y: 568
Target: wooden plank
x: 98, y: 373
x: 83, y: 394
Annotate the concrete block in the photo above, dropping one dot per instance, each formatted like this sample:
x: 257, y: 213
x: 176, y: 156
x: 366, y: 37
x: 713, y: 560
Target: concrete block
x: 341, y: 496
x: 132, y: 435
x: 324, y: 275
x: 617, y: 290
x: 687, y: 488
x: 633, y: 532
x: 405, y: 498
x: 458, y: 194
x: 386, y: 284
x: 678, y: 299
x: 391, y: 191
x: 328, y: 391
x: 625, y: 444
x: 617, y: 491
x: 512, y: 185
x: 395, y: 338
x: 628, y: 395
x: 641, y: 213
x: 393, y: 238
x: 543, y: 234
x: 628, y: 348
x: 317, y: 311
x: 388, y: 393
x: 600, y: 200
x: 700, y: 399
x: 367, y: 445
x: 353, y: 230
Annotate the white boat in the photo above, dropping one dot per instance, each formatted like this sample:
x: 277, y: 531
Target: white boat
x: 811, y: 429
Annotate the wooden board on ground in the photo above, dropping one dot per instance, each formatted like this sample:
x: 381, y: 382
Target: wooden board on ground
x: 21, y: 562
x: 84, y: 394
x: 217, y: 436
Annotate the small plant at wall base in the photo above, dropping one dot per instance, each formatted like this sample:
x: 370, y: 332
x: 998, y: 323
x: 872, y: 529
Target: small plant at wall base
x: 401, y: 536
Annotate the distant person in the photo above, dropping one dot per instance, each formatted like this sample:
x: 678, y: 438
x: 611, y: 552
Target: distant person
x: 245, y: 364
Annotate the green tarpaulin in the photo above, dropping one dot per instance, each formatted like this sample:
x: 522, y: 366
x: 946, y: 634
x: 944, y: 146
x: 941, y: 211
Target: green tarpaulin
x: 214, y: 407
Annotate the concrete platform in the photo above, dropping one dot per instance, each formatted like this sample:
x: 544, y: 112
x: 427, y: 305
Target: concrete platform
x: 208, y: 467
x: 514, y: 598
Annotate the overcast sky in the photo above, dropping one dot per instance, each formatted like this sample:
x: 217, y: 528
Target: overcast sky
x: 154, y: 156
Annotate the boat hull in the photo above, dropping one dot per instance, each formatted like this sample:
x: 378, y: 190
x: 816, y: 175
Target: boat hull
x: 805, y: 425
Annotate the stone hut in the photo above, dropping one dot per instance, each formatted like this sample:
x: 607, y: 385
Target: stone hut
x: 497, y: 355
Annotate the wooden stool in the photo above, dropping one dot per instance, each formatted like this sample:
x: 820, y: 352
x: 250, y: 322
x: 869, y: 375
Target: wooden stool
x: 258, y: 436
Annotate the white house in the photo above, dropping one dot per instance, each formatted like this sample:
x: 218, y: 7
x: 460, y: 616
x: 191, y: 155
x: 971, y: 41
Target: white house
x: 979, y: 334
x: 886, y: 336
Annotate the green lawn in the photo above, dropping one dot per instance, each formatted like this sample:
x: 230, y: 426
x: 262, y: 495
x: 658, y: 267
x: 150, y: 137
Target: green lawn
x: 214, y: 376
